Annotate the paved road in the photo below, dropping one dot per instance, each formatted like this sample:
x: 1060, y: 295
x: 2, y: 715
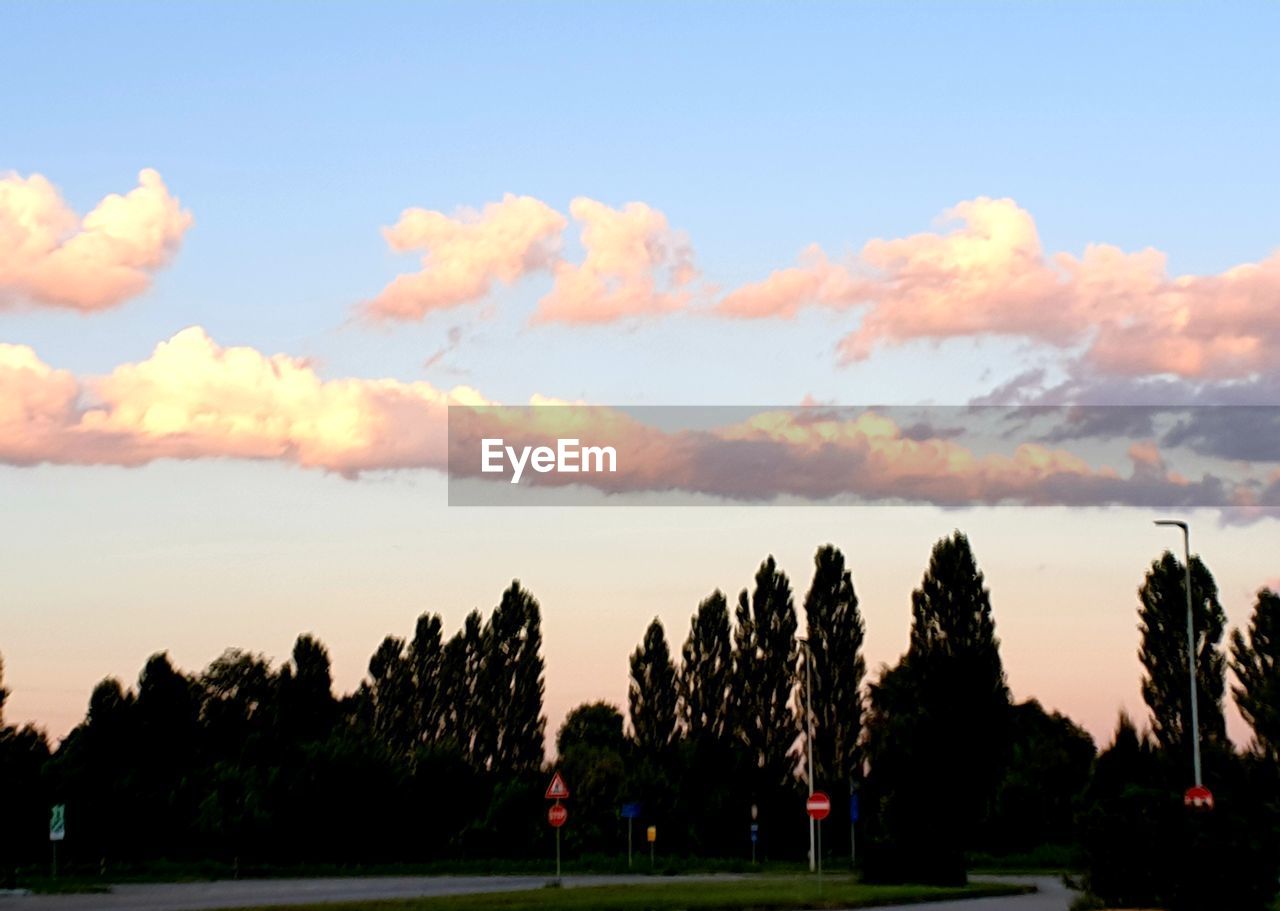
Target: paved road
x: 249, y: 893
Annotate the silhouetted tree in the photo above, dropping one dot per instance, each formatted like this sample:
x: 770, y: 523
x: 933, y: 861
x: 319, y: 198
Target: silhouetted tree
x: 467, y: 708
x: 706, y: 670
x: 4, y: 693
x: 939, y: 725
x: 513, y: 679
x: 1256, y: 663
x: 764, y: 676
x: 591, y: 747
x: 426, y: 655
x: 1163, y: 623
x: 1049, y: 768
x: 391, y: 692
x: 652, y: 693
x: 307, y: 704
x: 835, y: 631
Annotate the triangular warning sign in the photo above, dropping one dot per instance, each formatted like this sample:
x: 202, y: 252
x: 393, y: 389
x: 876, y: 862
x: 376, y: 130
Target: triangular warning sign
x: 557, y: 790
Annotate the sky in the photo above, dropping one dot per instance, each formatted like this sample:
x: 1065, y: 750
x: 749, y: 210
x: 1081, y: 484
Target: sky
x: 250, y: 254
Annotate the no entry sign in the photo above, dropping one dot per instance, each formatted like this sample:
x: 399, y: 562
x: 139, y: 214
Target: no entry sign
x: 818, y: 805
x: 557, y: 815
x: 1198, y: 798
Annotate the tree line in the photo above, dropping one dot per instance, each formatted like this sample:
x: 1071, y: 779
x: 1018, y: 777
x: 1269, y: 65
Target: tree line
x: 439, y: 752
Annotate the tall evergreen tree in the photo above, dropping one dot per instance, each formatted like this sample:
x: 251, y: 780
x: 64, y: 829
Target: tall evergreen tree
x: 764, y: 675
x: 706, y: 670
x: 835, y: 632
x: 513, y: 677
x: 1256, y: 662
x: 1163, y: 616
x: 652, y: 693
x: 4, y: 693
x: 939, y: 724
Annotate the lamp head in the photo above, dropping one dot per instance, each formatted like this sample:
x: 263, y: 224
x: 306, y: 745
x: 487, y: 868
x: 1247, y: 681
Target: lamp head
x: 1175, y: 522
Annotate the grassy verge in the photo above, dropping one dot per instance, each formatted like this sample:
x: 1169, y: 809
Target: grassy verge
x: 765, y: 893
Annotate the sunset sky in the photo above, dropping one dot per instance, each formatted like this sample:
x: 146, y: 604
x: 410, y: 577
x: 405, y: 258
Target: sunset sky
x: 250, y: 254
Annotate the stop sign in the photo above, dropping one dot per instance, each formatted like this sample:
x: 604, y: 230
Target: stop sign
x: 557, y: 815
x: 818, y: 805
x: 1198, y: 798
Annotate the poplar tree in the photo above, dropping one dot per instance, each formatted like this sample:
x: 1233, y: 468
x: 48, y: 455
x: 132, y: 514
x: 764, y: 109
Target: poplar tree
x: 835, y: 633
x: 1163, y: 623
x: 705, y: 671
x: 651, y: 693
x: 426, y: 657
x: 514, y: 683
x: 939, y: 724
x: 764, y: 674
x: 1256, y: 663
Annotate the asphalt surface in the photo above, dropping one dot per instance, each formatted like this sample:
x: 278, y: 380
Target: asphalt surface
x: 249, y: 893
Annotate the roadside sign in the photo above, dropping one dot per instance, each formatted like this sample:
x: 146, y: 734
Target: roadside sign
x: 652, y: 834
x: 755, y: 833
x: 818, y: 806
x: 557, y: 815
x: 1198, y: 798
x: 557, y: 790
x: 58, y: 822
x: 631, y: 811
x: 853, y: 808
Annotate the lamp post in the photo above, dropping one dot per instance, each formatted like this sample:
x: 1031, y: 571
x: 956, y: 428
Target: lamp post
x: 1191, y: 645
x: 808, y: 737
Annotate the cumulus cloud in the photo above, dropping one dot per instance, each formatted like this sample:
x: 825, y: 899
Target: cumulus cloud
x: 635, y: 265
x: 466, y: 253
x: 985, y: 273
x: 195, y: 399
x: 51, y: 257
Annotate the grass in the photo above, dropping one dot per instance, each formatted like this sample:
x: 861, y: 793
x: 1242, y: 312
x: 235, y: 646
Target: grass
x: 765, y: 893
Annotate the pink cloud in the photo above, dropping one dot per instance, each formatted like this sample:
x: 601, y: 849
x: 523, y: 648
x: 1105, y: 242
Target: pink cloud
x: 51, y: 257
x: 635, y: 265
x: 985, y: 273
x: 466, y: 253
x: 195, y: 399
x: 815, y: 280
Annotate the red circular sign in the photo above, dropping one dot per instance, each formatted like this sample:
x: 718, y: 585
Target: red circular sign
x: 818, y: 805
x: 557, y: 815
x: 1198, y: 798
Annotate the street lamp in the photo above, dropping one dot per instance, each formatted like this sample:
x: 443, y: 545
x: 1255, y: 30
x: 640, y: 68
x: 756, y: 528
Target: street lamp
x: 808, y: 726
x: 1191, y: 645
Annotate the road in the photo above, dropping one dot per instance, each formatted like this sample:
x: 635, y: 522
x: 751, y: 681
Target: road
x: 249, y: 893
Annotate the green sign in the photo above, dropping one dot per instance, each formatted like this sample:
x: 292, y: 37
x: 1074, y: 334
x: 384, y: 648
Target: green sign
x: 58, y: 823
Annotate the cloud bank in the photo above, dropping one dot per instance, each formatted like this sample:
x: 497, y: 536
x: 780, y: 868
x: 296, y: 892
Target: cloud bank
x: 193, y: 399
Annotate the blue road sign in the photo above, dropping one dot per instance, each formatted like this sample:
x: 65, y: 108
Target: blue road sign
x: 755, y: 833
x: 853, y: 808
x: 631, y: 811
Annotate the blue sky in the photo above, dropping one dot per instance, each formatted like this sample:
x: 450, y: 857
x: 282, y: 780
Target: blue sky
x: 295, y: 132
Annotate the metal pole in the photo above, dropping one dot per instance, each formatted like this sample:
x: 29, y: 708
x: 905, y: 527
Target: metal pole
x: 1191, y: 646
x: 557, y: 853
x: 819, y: 827
x: 808, y: 723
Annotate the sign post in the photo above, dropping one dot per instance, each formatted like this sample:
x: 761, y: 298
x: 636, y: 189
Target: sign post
x: 818, y: 807
x: 755, y: 837
x: 630, y: 812
x: 557, y: 815
x: 853, y: 819
x: 652, y: 835
x: 57, y: 831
